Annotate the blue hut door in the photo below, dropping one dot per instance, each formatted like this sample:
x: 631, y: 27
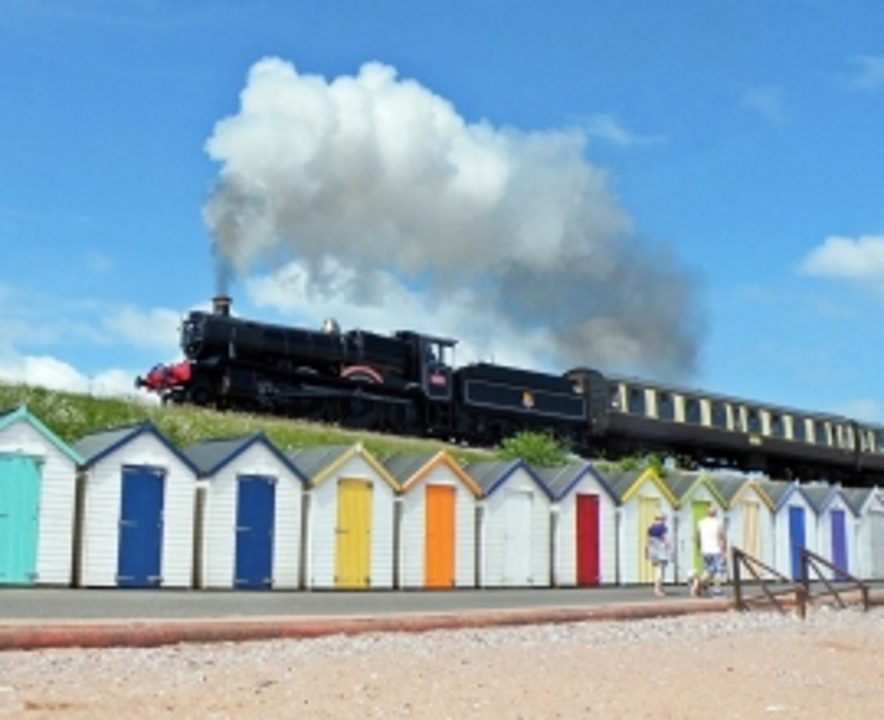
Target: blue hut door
x: 19, y: 511
x: 796, y: 539
x: 255, y: 510
x: 141, y: 527
x: 839, y: 541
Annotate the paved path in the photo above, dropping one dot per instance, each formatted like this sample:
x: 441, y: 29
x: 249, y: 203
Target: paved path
x: 36, y: 617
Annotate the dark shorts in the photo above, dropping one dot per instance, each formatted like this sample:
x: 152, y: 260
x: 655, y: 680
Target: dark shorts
x: 714, y: 565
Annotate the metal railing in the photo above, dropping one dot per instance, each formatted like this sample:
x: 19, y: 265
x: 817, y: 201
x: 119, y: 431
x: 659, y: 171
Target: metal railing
x: 779, y: 590
x: 766, y: 577
x: 848, y: 583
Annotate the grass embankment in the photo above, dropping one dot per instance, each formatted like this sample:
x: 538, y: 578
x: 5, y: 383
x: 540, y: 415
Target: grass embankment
x: 72, y: 416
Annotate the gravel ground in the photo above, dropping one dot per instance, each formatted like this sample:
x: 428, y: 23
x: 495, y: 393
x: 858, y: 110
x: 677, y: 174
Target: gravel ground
x: 758, y: 665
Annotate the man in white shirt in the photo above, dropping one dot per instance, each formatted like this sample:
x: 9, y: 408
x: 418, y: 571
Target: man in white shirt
x: 713, y: 548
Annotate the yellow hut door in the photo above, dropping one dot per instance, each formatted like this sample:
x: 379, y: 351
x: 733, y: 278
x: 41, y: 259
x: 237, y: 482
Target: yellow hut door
x: 751, y: 534
x: 353, y: 534
x: 439, y: 541
x: 648, y: 508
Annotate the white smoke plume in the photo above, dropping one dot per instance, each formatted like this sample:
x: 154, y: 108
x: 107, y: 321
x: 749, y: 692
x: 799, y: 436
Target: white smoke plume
x: 380, y: 174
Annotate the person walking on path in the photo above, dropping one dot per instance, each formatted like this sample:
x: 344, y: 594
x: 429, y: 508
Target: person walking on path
x: 713, y: 548
x: 658, y: 551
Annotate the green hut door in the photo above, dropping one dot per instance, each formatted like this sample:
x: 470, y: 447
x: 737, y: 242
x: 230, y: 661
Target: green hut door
x: 698, y: 511
x: 19, y: 508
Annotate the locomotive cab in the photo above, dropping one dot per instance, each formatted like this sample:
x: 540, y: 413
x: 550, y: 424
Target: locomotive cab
x: 431, y: 360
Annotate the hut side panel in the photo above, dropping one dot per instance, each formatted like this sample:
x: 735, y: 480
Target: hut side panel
x: 56, y: 504
x: 101, y: 513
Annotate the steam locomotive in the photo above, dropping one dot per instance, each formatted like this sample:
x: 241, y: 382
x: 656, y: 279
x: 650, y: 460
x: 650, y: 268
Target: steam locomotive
x: 406, y: 384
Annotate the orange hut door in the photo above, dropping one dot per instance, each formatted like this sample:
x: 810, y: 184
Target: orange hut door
x: 439, y: 541
x: 353, y: 535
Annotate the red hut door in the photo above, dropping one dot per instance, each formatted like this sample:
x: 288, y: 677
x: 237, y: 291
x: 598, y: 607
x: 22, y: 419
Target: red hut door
x: 587, y: 540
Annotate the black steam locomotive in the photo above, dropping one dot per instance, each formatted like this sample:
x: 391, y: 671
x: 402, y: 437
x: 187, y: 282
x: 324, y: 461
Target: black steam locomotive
x: 406, y: 384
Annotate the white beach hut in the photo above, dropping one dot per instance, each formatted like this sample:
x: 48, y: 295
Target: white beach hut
x: 437, y: 521
x: 250, y: 519
x: 868, y: 504
x: 641, y: 495
x: 349, y: 518
x: 794, y: 525
x: 38, y: 473
x: 136, y: 510
x: 514, y: 540
x: 584, y: 513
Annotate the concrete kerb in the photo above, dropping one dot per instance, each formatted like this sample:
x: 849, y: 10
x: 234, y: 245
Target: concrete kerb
x: 152, y: 633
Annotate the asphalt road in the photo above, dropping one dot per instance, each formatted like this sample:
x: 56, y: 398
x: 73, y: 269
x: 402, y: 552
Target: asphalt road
x: 114, y: 604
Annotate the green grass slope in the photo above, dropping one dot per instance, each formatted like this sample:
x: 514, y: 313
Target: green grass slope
x: 72, y: 416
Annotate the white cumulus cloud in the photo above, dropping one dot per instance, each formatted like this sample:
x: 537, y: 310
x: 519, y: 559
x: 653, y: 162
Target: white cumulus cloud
x: 842, y: 258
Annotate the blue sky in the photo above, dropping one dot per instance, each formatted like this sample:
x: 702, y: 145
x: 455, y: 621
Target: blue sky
x: 689, y: 191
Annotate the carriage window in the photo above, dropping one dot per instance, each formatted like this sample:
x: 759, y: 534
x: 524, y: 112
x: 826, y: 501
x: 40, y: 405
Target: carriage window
x: 719, y: 415
x: 820, y: 435
x: 665, y: 406
x: 799, y: 432
x: 614, y: 397
x: 879, y: 441
x: 637, y: 401
x: 753, y: 421
x: 692, y: 411
x: 776, y: 426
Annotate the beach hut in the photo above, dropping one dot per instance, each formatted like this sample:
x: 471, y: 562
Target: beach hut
x: 868, y: 505
x: 349, y: 517
x: 749, y: 515
x: 514, y: 527
x: 250, y: 514
x: 38, y: 473
x: 136, y: 510
x: 694, y: 494
x: 835, y: 526
x: 641, y: 495
x: 794, y: 524
x: 584, y: 525
x: 437, y: 521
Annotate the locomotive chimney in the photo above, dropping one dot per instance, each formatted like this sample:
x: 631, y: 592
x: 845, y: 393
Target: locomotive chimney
x: 221, y: 305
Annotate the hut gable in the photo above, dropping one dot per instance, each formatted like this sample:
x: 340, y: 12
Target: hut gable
x: 408, y: 469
